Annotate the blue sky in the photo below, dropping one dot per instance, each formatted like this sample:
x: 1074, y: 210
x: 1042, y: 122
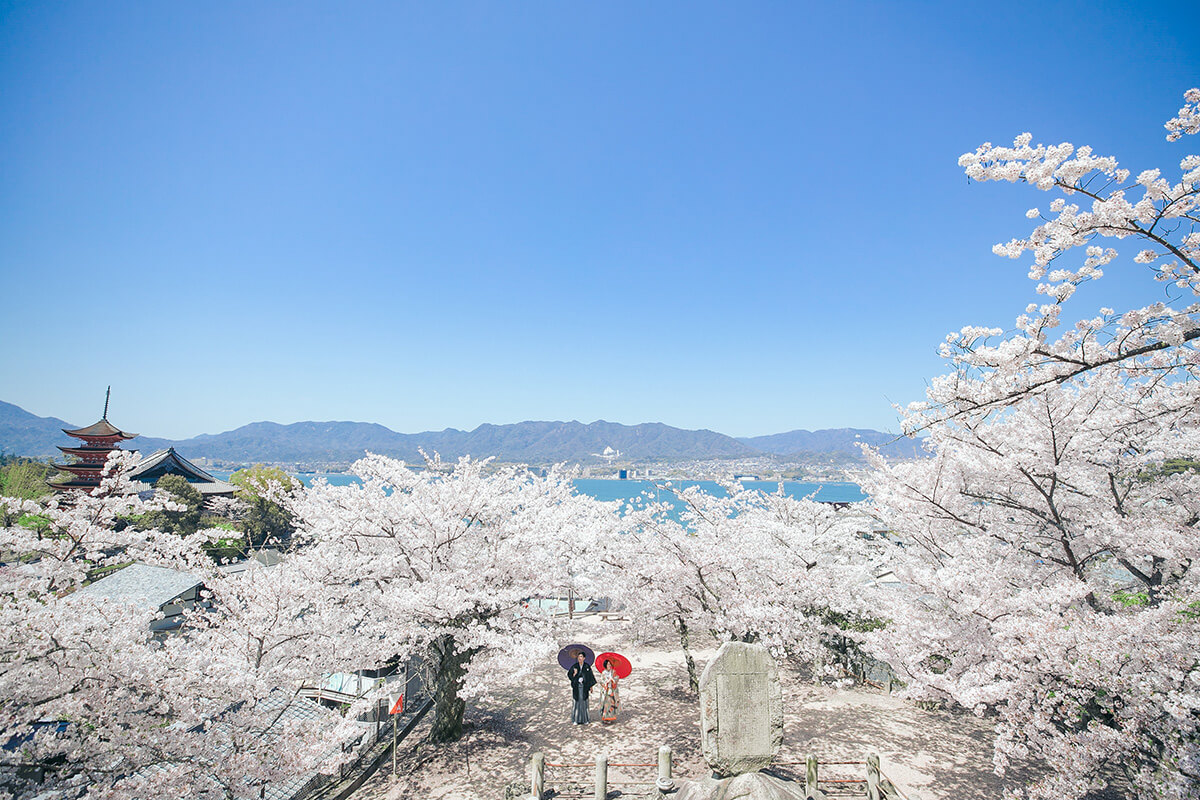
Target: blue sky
x: 739, y: 216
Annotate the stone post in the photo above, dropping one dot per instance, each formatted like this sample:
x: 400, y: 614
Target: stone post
x: 873, y: 777
x: 601, y: 777
x: 537, y: 776
x: 664, y: 782
x: 810, y: 778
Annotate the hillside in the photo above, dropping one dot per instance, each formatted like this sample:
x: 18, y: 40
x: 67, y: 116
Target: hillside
x: 24, y: 434
x: 843, y: 441
x: 314, y: 443
x: 535, y: 442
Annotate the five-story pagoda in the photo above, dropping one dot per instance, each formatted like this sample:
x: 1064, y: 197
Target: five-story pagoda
x: 99, y: 439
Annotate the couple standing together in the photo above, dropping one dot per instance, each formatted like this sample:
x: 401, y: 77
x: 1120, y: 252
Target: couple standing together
x: 583, y: 679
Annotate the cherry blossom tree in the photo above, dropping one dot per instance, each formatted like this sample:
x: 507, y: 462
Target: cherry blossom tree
x: 92, y: 699
x: 1049, y: 555
x: 442, y: 558
x: 228, y: 685
x: 58, y: 652
x: 991, y: 369
x: 748, y: 566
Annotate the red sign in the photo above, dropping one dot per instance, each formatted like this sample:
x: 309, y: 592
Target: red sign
x: 398, y: 706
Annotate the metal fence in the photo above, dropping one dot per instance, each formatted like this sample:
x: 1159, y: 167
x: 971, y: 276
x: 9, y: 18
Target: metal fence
x: 377, y: 742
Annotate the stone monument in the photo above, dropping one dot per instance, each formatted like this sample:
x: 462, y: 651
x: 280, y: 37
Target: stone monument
x: 741, y: 728
x: 741, y: 709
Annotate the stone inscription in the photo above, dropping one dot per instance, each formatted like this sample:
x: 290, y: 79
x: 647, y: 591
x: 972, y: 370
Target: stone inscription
x: 749, y: 731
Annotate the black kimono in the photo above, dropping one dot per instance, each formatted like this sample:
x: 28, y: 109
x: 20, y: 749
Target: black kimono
x: 582, y: 680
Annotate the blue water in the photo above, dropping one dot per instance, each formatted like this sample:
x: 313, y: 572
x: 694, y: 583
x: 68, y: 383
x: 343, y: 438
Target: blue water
x: 609, y: 489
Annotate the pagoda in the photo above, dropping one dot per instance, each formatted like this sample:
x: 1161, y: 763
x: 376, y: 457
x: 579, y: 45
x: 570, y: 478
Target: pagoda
x: 99, y: 439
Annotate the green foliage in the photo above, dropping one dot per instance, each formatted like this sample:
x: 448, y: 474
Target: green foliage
x: 844, y: 648
x: 185, y: 522
x: 850, y: 622
x: 257, y: 481
x: 228, y: 546
x: 1172, y: 466
x: 34, y: 522
x: 1131, y: 599
x: 22, y: 478
x: 265, y: 520
x: 225, y: 549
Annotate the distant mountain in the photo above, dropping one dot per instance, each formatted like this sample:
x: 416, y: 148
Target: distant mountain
x: 835, y: 440
x: 536, y: 442
x: 314, y: 443
x: 24, y: 434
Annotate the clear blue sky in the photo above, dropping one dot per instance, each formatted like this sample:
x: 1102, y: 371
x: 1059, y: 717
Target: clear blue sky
x: 739, y: 216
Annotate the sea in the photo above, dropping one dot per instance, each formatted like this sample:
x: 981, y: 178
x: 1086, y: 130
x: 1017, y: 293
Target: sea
x: 613, y: 489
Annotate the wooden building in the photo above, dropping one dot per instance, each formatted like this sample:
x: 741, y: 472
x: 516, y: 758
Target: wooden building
x: 168, y: 462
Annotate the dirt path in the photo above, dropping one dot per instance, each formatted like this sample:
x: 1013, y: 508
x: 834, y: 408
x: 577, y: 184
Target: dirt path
x: 934, y: 753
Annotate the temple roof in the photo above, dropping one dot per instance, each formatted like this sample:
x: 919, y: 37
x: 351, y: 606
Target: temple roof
x: 164, y: 462
x: 169, y: 458
x: 103, y: 429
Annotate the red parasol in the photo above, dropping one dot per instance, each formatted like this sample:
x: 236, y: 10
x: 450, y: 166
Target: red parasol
x: 620, y: 664
x: 566, y: 656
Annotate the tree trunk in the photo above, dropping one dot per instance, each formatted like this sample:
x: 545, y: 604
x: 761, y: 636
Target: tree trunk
x: 684, y: 641
x: 448, y: 707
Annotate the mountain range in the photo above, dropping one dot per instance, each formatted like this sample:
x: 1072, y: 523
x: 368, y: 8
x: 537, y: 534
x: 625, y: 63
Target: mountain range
x: 316, y: 443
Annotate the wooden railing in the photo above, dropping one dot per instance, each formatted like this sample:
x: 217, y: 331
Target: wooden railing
x: 874, y: 785
x: 659, y: 776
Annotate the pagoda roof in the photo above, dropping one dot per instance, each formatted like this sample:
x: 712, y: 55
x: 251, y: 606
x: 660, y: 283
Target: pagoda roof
x: 74, y: 483
x: 84, y: 452
x: 102, y: 429
x: 82, y: 468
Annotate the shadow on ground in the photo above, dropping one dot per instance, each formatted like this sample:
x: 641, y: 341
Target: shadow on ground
x: 940, y: 754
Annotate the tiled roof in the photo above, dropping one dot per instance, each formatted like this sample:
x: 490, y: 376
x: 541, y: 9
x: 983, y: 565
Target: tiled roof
x: 176, y: 464
x: 143, y: 584
x: 174, y: 460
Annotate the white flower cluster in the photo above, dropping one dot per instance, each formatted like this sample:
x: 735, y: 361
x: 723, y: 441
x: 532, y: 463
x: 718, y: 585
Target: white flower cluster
x: 1187, y: 120
x: 1052, y: 543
